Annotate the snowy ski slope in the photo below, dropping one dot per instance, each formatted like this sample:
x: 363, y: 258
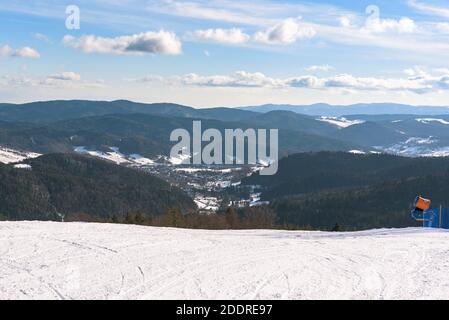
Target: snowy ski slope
x: 101, y: 261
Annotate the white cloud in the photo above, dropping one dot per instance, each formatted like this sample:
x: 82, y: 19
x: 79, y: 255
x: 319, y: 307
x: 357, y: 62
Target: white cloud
x: 227, y: 36
x: 223, y: 11
x: 442, y: 27
x: 41, y: 37
x: 6, y: 51
x: 324, y: 67
x: 418, y: 82
x: 285, y: 32
x: 429, y: 9
x: 346, y: 21
x: 416, y: 71
x: 238, y: 79
x: 25, y: 52
x: 161, y: 42
x: 403, y: 25
x: 66, y: 76
x: 63, y: 80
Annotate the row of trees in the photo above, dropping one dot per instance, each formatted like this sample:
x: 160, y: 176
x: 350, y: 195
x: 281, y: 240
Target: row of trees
x: 230, y: 218
x: 247, y: 218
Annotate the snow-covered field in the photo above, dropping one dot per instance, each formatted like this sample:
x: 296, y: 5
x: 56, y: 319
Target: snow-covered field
x: 100, y: 261
x: 8, y: 155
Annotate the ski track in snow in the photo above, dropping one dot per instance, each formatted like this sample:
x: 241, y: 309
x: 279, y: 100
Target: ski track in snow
x: 47, y: 260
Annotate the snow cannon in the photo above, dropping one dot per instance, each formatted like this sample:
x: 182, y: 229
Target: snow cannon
x: 430, y: 218
x: 422, y: 204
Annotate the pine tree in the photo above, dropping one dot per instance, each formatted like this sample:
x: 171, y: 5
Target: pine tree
x: 337, y: 228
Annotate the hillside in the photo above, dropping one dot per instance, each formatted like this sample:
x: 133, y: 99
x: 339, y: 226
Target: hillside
x: 59, y: 126
x: 319, y: 190
x: 102, y: 261
x: 80, y: 186
x: 52, y: 111
x: 143, y: 134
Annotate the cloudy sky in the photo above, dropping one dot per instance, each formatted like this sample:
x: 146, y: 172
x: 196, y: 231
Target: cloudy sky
x: 226, y: 53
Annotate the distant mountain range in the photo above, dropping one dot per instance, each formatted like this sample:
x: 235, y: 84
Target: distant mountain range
x: 322, y: 109
x: 137, y: 128
x: 52, y: 111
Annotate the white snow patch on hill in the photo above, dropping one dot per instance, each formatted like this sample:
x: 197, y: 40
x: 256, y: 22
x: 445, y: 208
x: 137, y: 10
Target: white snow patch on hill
x: 116, y: 156
x: 44, y: 260
x: 357, y: 152
x: 429, y: 120
x: 8, y: 155
x: 418, y: 147
x: 340, y: 122
x: 22, y: 166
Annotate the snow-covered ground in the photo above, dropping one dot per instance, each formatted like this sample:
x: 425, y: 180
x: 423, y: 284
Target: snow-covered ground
x: 429, y: 120
x: 100, y: 261
x: 8, y: 155
x: 340, y: 122
x: 418, y: 147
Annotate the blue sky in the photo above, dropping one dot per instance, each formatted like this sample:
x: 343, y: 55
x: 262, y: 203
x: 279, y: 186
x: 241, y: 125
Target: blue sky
x: 208, y: 53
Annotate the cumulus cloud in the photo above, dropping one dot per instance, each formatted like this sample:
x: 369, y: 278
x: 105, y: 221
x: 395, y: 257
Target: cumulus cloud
x: 286, y: 32
x: 228, y: 36
x: 417, y: 82
x: 161, y: 42
x: 25, y: 52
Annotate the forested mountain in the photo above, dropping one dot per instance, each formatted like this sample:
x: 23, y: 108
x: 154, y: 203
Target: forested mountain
x: 148, y: 135
x: 52, y: 111
x: 58, y: 126
x: 77, y: 185
x: 355, y: 191
x: 383, y: 205
x: 311, y: 172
